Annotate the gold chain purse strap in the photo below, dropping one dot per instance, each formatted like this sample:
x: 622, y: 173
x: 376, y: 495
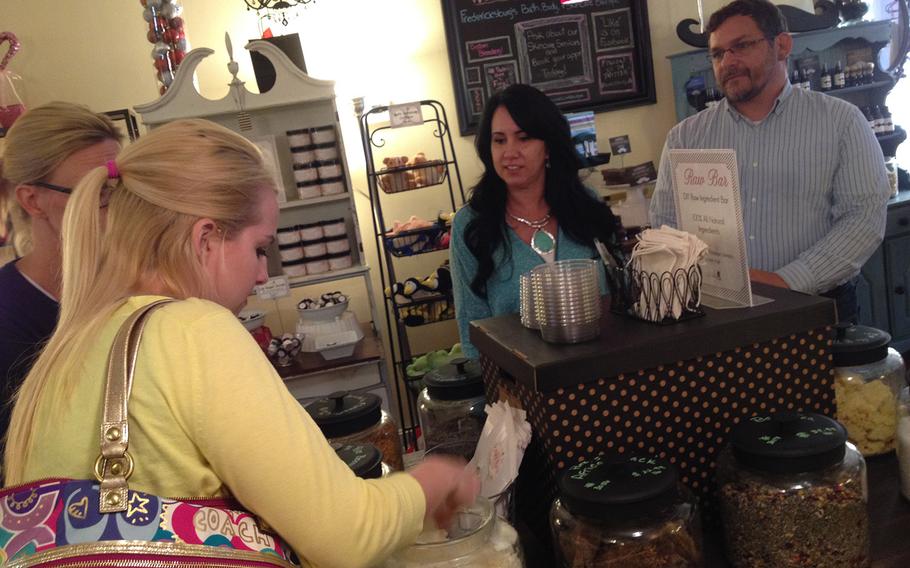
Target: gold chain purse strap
x: 115, y: 465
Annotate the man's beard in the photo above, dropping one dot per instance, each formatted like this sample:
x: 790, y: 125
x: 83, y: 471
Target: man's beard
x: 739, y: 96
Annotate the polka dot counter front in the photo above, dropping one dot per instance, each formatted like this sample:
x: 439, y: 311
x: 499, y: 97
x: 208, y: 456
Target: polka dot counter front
x: 681, y: 411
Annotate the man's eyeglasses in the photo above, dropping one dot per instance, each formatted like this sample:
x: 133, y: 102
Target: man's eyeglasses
x: 738, y: 49
x: 53, y: 187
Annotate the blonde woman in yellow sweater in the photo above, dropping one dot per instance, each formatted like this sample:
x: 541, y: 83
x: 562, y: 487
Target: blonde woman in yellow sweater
x: 187, y: 213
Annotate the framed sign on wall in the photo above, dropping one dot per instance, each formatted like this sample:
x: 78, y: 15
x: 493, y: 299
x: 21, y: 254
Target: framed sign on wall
x: 593, y: 55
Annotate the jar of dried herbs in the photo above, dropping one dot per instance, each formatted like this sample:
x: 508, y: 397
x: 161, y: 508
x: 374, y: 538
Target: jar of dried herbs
x: 792, y: 493
x: 629, y: 513
x: 451, y: 406
x: 348, y: 418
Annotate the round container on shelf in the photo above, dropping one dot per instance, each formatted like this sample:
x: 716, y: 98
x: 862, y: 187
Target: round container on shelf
x: 347, y: 418
x: 365, y: 460
x: 334, y: 227
x: 304, y: 154
x: 323, y: 134
x: 314, y: 249
x: 451, y: 406
x: 306, y: 172
x: 309, y: 189
x: 288, y: 235
x: 299, y: 137
x: 340, y: 261
x: 291, y: 252
x: 295, y: 267
x: 792, y: 492
x: 479, y: 538
x: 868, y: 377
x: 329, y: 169
x: 325, y: 152
x: 611, y: 510
x: 332, y: 186
x: 317, y: 265
x: 334, y: 245
x: 311, y: 231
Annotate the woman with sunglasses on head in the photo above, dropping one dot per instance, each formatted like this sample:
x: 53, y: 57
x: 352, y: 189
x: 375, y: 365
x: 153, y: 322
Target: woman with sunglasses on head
x: 529, y: 207
x: 191, y: 210
x: 48, y: 150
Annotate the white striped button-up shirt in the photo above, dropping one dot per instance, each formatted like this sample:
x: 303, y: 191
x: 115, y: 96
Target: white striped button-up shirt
x: 812, y: 183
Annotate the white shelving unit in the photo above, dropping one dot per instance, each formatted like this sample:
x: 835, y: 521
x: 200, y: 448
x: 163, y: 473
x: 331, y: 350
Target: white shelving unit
x: 295, y: 101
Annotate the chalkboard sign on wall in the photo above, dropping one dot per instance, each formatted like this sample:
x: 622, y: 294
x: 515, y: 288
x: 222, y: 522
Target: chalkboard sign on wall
x: 593, y: 55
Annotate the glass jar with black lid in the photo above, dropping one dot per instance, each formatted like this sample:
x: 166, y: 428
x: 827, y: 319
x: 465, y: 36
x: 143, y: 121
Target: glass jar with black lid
x: 792, y: 492
x: 629, y: 512
x: 451, y: 406
x: 350, y: 418
x: 365, y: 460
x: 868, y: 376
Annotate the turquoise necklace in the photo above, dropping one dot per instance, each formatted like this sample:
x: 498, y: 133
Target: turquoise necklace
x: 542, y: 240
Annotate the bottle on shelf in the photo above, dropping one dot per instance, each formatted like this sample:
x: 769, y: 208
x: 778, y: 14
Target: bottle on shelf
x: 825, y: 79
x: 867, y: 113
x: 869, y: 73
x: 878, y: 121
x: 887, y: 121
x: 804, y: 80
x: 839, y: 80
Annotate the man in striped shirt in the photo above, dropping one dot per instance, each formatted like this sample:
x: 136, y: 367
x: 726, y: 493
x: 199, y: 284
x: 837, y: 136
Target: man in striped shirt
x: 812, y: 175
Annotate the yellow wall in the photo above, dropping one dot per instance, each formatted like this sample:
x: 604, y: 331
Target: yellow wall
x: 95, y: 52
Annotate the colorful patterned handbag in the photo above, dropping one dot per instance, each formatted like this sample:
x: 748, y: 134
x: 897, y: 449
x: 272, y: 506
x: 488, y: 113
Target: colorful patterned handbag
x: 65, y: 523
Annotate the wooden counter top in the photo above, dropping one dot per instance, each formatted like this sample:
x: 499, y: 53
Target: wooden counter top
x: 627, y: 345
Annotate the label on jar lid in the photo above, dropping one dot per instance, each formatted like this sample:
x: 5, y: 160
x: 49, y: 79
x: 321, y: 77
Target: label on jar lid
x: 365, y: 460
x: 606, y: 488
x: 789, y: 442
x: 342, y: 414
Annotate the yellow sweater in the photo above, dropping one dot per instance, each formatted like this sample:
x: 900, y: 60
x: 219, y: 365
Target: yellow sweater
x: 209, y: 416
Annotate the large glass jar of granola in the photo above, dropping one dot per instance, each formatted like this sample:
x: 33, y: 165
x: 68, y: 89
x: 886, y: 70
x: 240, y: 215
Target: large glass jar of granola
x: 625, y: 514
x: 792, y: 493
x: 868, y: 376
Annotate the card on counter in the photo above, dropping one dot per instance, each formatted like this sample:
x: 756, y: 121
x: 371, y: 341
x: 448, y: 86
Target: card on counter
x: 706, y: 192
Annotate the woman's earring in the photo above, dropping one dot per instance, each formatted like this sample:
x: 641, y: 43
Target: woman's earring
x: 547, y: 163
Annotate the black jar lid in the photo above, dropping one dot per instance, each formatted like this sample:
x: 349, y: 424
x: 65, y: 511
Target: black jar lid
x: 789, y: 442
x: 310, y: 183
x: 306, y: 166
x: 336, y: 179
x: 342, y: 254
x: 323, y: 146
x: 459, y: 380
x: 336, y: 238
x: 859, y: 345
x: 365, y: 460
x: 342, y: 414
x: 308, y: 148
x: 290, y: 246
x: 608, y: 489
x: 332, y: 221
x: 288, y: 229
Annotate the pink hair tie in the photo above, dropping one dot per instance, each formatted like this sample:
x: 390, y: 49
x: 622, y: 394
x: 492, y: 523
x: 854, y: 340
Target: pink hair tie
x: 112, y: 171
